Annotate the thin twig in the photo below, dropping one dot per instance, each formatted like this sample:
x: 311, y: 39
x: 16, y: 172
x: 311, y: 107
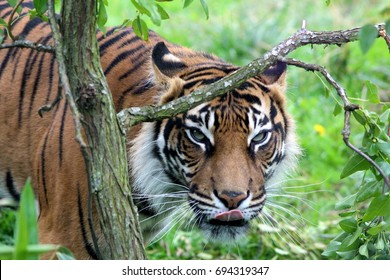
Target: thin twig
x: 28, y: 44
x: 11, y: 17
x: 46, y: 108
x: 348, y: 108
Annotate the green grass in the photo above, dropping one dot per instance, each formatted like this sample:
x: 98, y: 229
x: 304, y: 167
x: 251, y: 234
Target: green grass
x: 240, y: 31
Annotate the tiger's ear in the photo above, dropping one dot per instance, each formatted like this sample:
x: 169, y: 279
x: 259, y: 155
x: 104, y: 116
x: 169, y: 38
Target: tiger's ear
x: 275, y: 74
x: 166, y: 67
x: 165, y: 64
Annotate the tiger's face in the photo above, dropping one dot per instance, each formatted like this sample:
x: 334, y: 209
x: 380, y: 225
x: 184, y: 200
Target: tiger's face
x: 210, y: 166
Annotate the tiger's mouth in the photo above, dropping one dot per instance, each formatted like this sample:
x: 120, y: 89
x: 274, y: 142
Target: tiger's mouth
x: 224, y: 227
x: 236, y: 223
x: 233, y: 218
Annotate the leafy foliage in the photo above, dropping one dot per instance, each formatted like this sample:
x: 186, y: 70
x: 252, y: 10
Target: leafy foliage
x: 26, y: 245
x: 156, y: 12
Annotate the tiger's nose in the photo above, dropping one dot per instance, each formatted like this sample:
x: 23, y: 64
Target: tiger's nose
x: 231, y: 199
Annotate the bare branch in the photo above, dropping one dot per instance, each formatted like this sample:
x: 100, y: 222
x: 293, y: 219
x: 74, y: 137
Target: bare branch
x: 28, y: 44
x: 348, y: 108
x: 132, y: 116
x: 382, y: 33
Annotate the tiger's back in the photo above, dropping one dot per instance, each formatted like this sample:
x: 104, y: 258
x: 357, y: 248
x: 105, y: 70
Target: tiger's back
x: 247, y: 127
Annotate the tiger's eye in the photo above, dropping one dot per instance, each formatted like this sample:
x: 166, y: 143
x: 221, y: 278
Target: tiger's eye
x: 259, y: 137
x: 197, y: 135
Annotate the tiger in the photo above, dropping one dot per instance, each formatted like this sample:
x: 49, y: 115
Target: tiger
x: 208, y: 167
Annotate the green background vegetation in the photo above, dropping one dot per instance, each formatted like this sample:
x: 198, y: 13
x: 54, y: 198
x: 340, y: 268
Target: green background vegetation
x: 305, y: 219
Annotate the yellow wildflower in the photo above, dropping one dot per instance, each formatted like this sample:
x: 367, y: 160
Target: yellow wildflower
x: 319, y: 129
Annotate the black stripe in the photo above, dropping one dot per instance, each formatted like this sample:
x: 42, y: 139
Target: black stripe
x: 38, y: 76
x: 25, y: 77
x: 5, y: 60
x: 130, y: 40
x: 250, y: 98
x: 29, y: 5
x: 134, y: 68
x: 260, y: 85
x: 123, y: 95
x: 111, y: 41
x: 156, y: 132
x: 9, y: 182
x: 6, y: 14
x: 119, y: 58
x: 209, y: 70
x: 29, y: 26
x: 203, y: 82
x: 51, y: 75
x: 61, y: 138
x: 87, y: 244
x: 43, y: 163
x: 103, y: 36
x: 16, y: 63
x: 4, y: 6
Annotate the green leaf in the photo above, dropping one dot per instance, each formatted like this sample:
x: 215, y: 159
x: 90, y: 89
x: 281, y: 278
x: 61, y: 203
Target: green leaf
x: 330, y: 251
x: 348, y: 225
x: 354, y: 164
x: 346, y: 203
x: 372, y: 93
x: 355, y: 236
x: 6, y: 252
x: 64, y: 254
x: 205, y: 8
x: 327, y: 2
x: 2, y: 37
x: 102, y: 15
x: 140, y: 28
x: 375, y: 230
x: 337, y: 109
x: 13, y: 3
x: 379, y: 206
x: 359, y: 116
x: 367, y: 36
x: 155, y: 15
x: 141, y: 8
x: 40, y: 6
x: 380, y: 243
x: 368, y: 190
x: 347, y: 213
x: 187, y: 3
x: 349, y: 247
x: 164, y: 15
x: 363, y: 250
x: 26, y: 230
x: 2, y: 22
x: 383, y: 146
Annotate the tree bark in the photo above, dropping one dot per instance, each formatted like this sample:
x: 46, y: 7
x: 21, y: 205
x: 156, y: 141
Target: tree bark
x: 105, y: 149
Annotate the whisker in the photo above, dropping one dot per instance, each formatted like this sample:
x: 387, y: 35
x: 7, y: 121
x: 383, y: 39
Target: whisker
x: 164, y: 231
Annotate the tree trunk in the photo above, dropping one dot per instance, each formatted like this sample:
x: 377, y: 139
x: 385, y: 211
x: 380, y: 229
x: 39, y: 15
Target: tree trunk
x: 105, y: 153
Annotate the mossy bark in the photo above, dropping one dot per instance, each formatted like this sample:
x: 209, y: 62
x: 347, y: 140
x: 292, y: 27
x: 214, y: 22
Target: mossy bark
x: 105, y: 151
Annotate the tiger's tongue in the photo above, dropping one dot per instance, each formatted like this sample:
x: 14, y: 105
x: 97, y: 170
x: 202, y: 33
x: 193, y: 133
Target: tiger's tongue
x: 232, y: 215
